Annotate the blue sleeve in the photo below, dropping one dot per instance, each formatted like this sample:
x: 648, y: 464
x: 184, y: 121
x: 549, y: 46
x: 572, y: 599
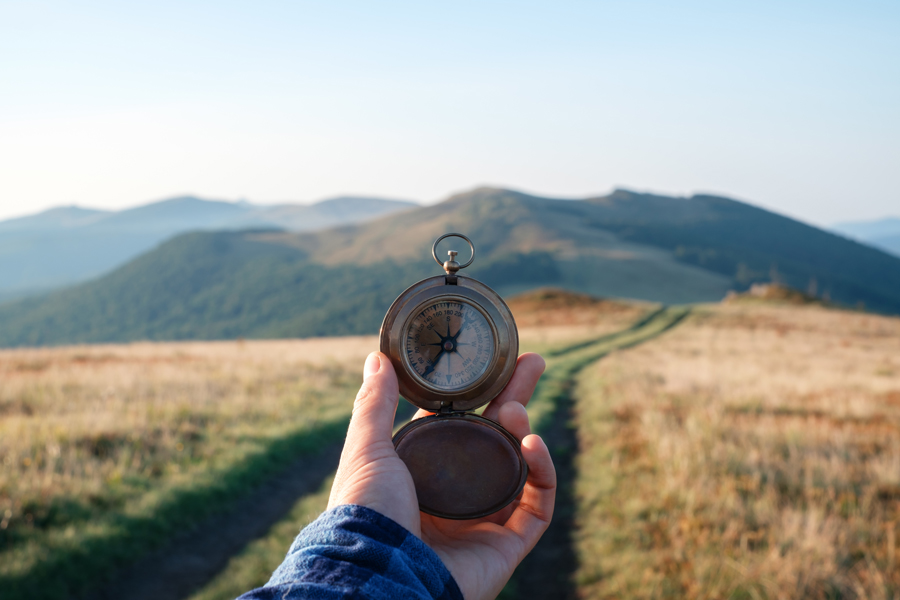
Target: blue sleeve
x: 354, y: 552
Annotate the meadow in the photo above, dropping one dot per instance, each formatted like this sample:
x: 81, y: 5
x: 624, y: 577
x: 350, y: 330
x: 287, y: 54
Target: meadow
x: 107, y: 450
x: 742, y: 450
x: 752, y: 452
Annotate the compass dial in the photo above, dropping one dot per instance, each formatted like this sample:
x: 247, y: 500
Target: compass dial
x: 449, y: 344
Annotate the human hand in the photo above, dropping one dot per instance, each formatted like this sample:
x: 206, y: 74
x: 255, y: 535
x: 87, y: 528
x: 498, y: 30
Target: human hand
x: 481, y: 554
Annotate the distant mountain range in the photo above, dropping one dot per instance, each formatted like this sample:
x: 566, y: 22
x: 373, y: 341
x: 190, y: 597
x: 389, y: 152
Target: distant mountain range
x: 264, y: 283
x: 881, y: 233
x: 69, y: 244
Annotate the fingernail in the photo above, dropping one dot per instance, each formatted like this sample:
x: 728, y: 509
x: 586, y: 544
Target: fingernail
x: 373, y: 365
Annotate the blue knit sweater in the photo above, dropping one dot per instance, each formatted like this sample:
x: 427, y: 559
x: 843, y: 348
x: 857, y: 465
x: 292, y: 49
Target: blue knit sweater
x: 354, y: 552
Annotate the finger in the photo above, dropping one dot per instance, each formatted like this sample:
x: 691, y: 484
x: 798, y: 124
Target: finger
x: 514, y: 418
x: 532, y: 517
x: 376, y: 403
x: 529, y: 368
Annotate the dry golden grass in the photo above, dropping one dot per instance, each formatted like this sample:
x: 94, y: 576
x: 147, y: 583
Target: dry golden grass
x: 254, y: 565
x: 92, y: 437
x: 752, y: 452
x: 90, y: 431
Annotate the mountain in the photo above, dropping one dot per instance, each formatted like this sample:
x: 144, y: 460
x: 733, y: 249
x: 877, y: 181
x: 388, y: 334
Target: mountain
x: 54, y: 219
x: 264, y: 283
x: 888, y: 243
x: 881, y: 233
x: 867, y: 230
x: 321, y: 215
x: 65, y: 245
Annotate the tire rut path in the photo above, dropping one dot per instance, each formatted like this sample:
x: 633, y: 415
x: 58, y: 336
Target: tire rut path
x: 548, y: 571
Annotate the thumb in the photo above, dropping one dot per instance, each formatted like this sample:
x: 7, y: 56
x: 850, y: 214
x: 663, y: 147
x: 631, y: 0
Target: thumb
x: 376, y: 402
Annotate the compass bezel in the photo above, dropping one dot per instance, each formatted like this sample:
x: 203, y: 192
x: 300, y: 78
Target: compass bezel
x: 414, y: 315
x: 437, y: 289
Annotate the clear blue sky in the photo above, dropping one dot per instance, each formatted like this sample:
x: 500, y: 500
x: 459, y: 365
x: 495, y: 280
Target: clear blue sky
x: 794, y: 106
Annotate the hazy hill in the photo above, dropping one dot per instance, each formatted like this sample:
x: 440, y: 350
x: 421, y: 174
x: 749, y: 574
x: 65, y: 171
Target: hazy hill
x: 889, y: 243
x: 881, y: 233
x: 327, y: 213
x: 864, y: 230
x: 64, y: 245
x: 54, y: 219
x: 342, y: 280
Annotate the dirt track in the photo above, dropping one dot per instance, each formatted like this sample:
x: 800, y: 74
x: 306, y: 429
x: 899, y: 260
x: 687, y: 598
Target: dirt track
x: 189, y: 561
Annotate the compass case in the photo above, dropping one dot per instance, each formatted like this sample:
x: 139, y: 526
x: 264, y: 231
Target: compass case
x: 503, y: 363
x: 464, y: 466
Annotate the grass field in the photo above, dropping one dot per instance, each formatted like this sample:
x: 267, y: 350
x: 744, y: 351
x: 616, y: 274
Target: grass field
x: 110, y: 450
x: 107, y: 450
x: 753, y: 452
x: 553, y: 335
x: 747, y: 450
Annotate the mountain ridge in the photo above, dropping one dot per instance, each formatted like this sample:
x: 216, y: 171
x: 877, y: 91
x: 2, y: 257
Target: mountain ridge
x: 264, y: 283
x: 733, y: 239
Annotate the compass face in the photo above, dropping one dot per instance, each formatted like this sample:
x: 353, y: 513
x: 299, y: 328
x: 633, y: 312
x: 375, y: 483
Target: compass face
x: 449, y: 344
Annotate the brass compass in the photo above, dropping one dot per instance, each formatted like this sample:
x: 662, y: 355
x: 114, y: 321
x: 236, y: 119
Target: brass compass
x: 453, y: 343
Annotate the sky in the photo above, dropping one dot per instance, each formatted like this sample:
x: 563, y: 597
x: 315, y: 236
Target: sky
x: 793, y: 106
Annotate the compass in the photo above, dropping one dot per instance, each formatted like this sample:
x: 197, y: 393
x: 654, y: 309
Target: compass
x: 453, y: 343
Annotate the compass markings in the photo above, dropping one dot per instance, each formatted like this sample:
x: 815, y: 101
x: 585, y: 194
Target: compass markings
x: 448, y: 329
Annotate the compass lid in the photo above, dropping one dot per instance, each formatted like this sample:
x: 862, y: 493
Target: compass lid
x: 464, y: 466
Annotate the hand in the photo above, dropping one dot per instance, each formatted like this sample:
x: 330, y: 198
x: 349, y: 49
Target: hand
x: 481, y: 554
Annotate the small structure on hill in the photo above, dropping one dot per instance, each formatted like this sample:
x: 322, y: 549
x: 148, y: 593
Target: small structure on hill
x: 772, y: 292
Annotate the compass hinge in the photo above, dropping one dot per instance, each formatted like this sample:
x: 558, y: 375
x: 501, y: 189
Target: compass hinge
x: 446, y: 407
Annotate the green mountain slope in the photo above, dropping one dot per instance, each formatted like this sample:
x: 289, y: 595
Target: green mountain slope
x: 204, y: 286
x: 751, y: 244
x: 341, y: 281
